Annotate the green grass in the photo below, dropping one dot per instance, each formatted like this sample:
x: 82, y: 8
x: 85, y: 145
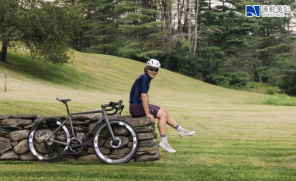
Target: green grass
x: 141, y: 171
x: 263, y: 88
x: 281, y: 100
x: 240, y: 135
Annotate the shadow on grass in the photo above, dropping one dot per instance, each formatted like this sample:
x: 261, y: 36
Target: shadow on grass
x: 24, y: 66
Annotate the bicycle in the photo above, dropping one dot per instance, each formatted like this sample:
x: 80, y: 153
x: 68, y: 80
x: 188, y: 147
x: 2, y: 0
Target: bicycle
x: 51, y: 139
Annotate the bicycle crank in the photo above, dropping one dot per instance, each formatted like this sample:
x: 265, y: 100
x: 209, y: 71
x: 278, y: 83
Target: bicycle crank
x: 75, y: 145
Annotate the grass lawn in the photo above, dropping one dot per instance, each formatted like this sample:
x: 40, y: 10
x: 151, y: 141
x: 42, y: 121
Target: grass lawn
x: 240, y: 135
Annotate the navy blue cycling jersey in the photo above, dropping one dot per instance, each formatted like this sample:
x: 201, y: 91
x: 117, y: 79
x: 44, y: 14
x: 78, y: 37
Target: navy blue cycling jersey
x: 141, y: 85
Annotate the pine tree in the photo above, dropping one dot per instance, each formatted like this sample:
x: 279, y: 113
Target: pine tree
x: 268, y: 47
x: 101, y: 28
x: 142, y: 34
x: 223, y: 33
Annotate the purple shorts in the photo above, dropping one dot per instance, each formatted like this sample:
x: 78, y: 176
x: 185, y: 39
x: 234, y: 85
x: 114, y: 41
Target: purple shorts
x: 137, y: 110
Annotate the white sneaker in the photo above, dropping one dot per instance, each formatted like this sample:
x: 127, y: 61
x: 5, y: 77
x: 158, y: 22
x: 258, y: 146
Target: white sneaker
x: 167, y: 147
x: 188, y: 133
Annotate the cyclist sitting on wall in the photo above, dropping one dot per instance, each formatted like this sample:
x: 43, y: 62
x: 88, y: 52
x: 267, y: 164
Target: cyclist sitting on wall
x: 140, y: 105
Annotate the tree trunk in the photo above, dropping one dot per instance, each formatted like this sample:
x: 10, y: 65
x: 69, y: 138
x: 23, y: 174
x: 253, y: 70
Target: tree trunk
x: 256, y: 76
x: 179, y: 15
x: 3, y: 53
x: 195, y: 27
x: 168, y: 61
x: 264, y: 79
x: 169, y: 41
x: 189, y: 26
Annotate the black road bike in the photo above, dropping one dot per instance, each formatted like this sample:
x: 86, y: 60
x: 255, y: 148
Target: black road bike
x: 51, y: 139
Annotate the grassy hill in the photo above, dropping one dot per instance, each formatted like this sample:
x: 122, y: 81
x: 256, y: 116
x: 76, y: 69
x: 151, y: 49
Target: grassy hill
x: 240, y: 135
x: 91, y: 79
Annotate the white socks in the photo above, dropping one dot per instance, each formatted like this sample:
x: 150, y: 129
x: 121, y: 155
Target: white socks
x: 180, y: 129
x: 164, y: 139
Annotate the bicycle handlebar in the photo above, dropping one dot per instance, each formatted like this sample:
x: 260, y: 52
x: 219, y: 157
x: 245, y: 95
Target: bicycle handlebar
x: 114, y: 105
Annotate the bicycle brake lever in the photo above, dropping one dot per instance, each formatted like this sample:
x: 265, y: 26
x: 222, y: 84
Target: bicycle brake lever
x: 121, y: 109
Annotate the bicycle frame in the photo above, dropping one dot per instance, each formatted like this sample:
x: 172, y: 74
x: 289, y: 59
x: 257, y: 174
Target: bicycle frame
x: 86, y: 136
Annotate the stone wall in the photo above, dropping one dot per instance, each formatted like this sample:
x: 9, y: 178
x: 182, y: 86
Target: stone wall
x: 14, y: 131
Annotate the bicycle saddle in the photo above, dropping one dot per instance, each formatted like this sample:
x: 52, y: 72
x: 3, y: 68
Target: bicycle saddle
x: 63, y: 100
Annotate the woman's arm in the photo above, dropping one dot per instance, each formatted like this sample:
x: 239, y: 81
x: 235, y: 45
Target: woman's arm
x: 145, y: 103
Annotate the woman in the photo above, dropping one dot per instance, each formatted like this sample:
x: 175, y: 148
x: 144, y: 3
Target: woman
x: 140, y: 106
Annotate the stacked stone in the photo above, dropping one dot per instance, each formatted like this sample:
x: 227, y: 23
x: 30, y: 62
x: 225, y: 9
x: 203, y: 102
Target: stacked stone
x: 14, y: 131
x: 148, y: 147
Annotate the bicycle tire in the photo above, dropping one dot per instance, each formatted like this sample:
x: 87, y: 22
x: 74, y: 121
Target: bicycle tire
x: 127, y: 148
x: 40, y: 132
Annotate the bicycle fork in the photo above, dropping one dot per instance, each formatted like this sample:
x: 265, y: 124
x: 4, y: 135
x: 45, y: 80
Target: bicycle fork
x: 115, y: 142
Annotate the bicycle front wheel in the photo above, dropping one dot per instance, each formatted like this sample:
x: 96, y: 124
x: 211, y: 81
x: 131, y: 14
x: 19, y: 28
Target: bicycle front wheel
x: 48, y: 141
x: 111, y: 153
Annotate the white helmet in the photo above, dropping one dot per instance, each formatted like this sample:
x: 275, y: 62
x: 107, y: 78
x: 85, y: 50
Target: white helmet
x: 153, y: 63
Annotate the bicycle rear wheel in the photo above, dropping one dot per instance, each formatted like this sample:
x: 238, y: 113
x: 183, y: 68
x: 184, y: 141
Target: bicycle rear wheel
x: 110, y: 153
x: 39, y: 145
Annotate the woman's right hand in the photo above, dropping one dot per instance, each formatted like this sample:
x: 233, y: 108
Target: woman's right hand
x: 151, y: 117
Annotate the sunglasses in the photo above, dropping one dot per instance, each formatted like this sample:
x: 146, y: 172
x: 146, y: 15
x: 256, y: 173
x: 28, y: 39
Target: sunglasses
x: 153, y: 69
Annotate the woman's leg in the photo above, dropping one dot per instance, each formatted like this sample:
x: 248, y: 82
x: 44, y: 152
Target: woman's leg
x: 162, y: 121
x: 171, y: 121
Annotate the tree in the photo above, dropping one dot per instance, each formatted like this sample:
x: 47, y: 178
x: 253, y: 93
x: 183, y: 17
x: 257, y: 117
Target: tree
x: 142, y: 36
x: 45, y: 28
x: 7, y: 25
x: 269, y: 48
x: 101, y: 27
x: 222, y: 33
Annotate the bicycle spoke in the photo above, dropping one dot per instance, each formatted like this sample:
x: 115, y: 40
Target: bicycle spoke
x: 112, y: 153
x: 48, y: 141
